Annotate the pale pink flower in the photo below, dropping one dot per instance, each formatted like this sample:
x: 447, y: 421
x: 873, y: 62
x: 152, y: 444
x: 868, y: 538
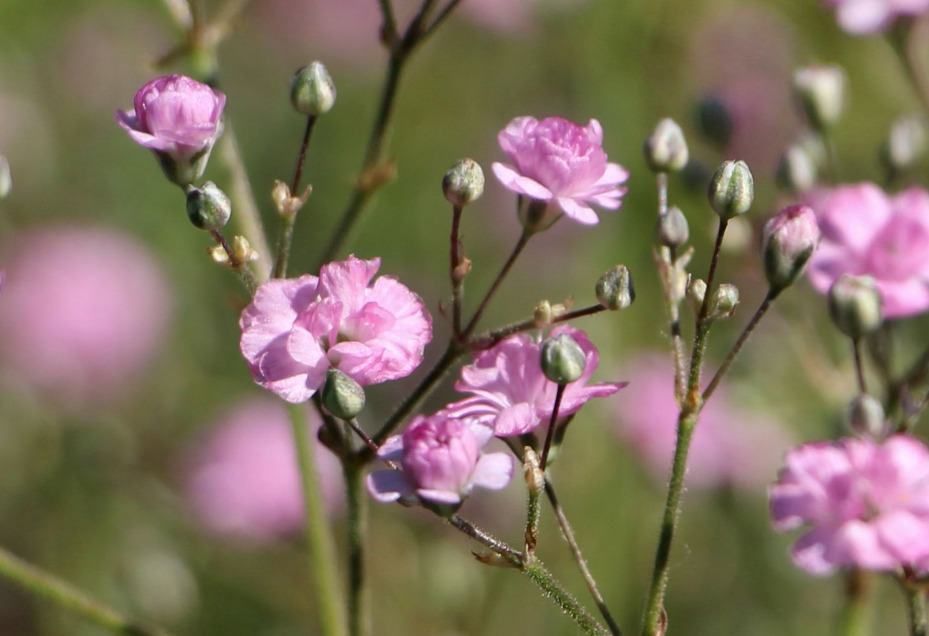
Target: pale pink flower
x: 295, y: 329
x: 730, y: 446
x: 510, y: 393
x: 867, y: 232
x: 866, y: 504
x: 788, y: 240
x: 242, y: 477
x: 441, y: 461
x: 562, y: 163
x: 861, y: 17
x: 84, y: 311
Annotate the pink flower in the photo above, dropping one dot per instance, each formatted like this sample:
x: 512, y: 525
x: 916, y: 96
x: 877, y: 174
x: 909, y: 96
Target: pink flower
x: 242, y: 479
x: 512, y: 395
x: 861, y: 17
x: 179, y: 119
x: 867, y: 504
x: 561, y: 163
x: 441, y: 462
x: 83, y: 312
x: 887, y: 238
x: 730, y: 447
x: 787, y: 243
x: 296, y: 329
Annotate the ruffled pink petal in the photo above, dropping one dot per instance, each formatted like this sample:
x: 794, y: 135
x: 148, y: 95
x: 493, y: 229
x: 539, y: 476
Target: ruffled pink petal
x: 808, y: 553
x: 516, y: 420
x: 578, y: 211
x: 516, y: 182
x: 387, y: 486
x: 493, y: 471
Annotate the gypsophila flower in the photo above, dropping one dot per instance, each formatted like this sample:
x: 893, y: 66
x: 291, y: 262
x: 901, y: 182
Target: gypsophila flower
x: 864, y: 231
x: 861, y: 17
x: 561, y: 163
x: 866, y: 504
x: 509, y: 391
x: 296, y: 329
x: 441, y: 461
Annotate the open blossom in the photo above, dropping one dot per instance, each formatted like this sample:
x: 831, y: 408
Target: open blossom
x: 860, y: 17
x: 295, y: 329
x: 179, y: 119
x: 242, y: 479
x: 562, y: 163
x: 864, y: 231
x: 866, y: 504
x: 441, y: 461
x: 730, y: 447
x: 509, y: 391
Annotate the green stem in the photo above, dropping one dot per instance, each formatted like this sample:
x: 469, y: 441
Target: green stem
x: 856, y: 614
x: 358, y: 615
x: 916, y: 606
x: 318, y: 535
x: 517, y: 250
x: 489, y: 339
x: 859, y: 366
x: 69, y: 597
x: 457, y: 276
x: 287, y: 227
x: 553, y: 590
x: 759, y: 313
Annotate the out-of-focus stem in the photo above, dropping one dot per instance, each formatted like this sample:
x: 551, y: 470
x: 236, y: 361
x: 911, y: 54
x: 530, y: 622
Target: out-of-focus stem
x: 916, y: 606
x: 759, y: 313
x: 358, y: 614
x: 859, y: 366
x: 856, y: 614
x: 517, y: 250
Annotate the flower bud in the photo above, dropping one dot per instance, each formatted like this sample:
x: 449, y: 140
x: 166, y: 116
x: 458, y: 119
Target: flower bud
x: 787, y: 243
x: 463, y: 183
x: 724, y: 301
x: 285, y: 202
x: 731, y: 190
x: 905, y: 143
x: 312, y: 91
x: 208, y: 207
x: 6, y: 179
x: 855, y: 305
x: 796, y: 170
x: 820, y: 90
x: 865, y: 417
x: 614, y: 289
x: 543, y: 314
x: 342, y: 396
x: 666, y: 148
x: 242, y: 250
x: 673, y: 230
x: 563, y: 360
x: 714, y: 120
x: 696, y: 292
x: 535, y: 478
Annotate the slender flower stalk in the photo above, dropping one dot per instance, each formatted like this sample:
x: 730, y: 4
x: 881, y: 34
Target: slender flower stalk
x: 916, y: 609
x: 456, y: 276
x: 287, y: 227
x: 550, y: 434
x: 517, y: 250
x: 859, y: 366
x: 358, y: 602
x: 759, y: 313
x: 856, y: 615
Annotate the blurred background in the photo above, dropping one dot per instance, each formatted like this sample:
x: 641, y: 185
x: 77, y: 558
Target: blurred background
x: 139, y: 461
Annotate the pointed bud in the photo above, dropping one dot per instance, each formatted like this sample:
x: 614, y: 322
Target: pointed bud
x: 312, y: 91
x: 342, y: 396
x: 787, y: 243
x: 535, y: 478
x: 865, y: 417
x: 666, y: 148
x: 288, y: 205
x: 905, y: 144
x: 614, y: 289
x: 463, y: 183
x: 563, y: 360
x: 820, y: 89
x: 714, y: 120
x: 732, y: 189
x: 208, y: 207
x: 796, y: 170
x: 724, y: 301
x: 855, y: 305
x: 6, y: 179
x: 696, y: 292
x: 673, y: 230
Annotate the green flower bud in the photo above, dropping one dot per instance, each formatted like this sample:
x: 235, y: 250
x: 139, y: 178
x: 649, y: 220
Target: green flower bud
x: 724, y: 301
x: 855, y: 305
x: 666, y: 148
x: 714, y: 120
x: 342, y: 396
x: 208, y: 207
x: 6, y: 179
x: 463, y: 183
x: 696, y: 292
x: 563, y: 360
x: 673, y: 230
x: 820, y: 90
x: 865, y: 417
x: 732, y: 189
x: 312, y: 91
x: 796, y: 170
x: 787, y: 242
x: 614, y: 289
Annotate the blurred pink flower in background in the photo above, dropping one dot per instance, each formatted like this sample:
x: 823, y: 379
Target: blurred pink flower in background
x: 560, y: 162
x: 866, y: 502
x: 84, y: 311
x: 865, y: 231
x: 511, y: 394
x: 242, y: 478
x: 861, y: 17
x: 295, y: 329
x: 730, y: 447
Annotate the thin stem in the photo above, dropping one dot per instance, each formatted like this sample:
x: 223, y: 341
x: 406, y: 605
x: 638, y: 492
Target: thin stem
x: 916, y: 609
x: 533, y: 517
x: 661, y: 181
x: 714, y: 261
x: 512, y: 557
x: 456, y: 276
x: 287, y: 221
x: 489, y: 339
x: 390, y: 21
x: 568, y: 532
x: 358, y: 621
x: 439, y: 19
x: 550, y: 434
x: 301, y: 157
x: 70, y: 597
x: 762, y: 309
x: 859, y: 367
x: 517, y: 250
x: 320, y: 544
x: 856, y: 614
x: 370, y: 443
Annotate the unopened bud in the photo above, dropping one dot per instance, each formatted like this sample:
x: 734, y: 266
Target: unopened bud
x: 614, y: 289
x: 696, y: 292
x: 342, y: 396
x: 732, y: 189
x: 6, y: 179
x: 288, y: 205
x: 905, y: 143
x: 463, y: 183
x: 543, y: 314
x: 666, y: 148
x: 563, y: 360
x: 208, y: 207
x: 796, y: 170
x: 673, y: 230
x: 242, y: 250
x: 312, y: 91
x: 787, y: 243
x: 535, y: 478
x: 855, y: 305
x: 714, y: 120
x: 724, y: 301
x: 820, y: 89
x: 865, y: 417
